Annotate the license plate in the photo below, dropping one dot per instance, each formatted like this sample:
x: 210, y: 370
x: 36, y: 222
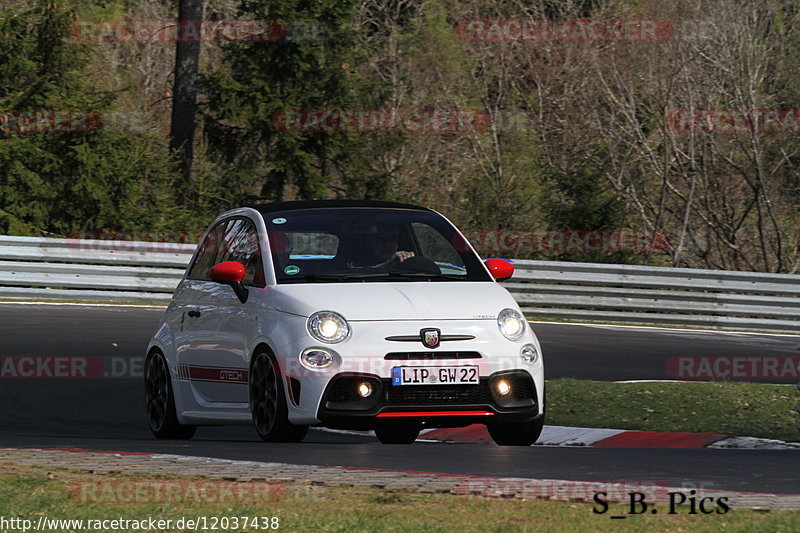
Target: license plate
x: 435, y: 375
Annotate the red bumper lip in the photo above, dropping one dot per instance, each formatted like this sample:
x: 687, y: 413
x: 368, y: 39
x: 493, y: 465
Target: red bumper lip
x: 426, y: 414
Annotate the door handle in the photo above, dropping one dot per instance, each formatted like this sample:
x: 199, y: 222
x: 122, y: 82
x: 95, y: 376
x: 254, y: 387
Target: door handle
x: 194, y: 313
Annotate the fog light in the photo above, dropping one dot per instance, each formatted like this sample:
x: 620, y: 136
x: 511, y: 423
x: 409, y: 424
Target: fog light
x: 316, y: 359
x: 365, y: 389
x: 503, y: 387
x: 529, y: 353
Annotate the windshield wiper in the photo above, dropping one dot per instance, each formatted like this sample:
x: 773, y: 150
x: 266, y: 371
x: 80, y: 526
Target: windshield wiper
x: 425, y: 275
x: 310, y: 277
x: 334, y: 277
x: 370, y: 275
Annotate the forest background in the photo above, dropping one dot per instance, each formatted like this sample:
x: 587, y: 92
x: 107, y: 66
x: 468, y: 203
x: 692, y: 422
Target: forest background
x: 569, y: 134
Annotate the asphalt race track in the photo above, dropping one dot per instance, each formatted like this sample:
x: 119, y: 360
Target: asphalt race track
x: 106, y: 413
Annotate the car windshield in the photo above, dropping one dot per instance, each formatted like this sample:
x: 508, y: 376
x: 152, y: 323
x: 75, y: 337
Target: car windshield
x: 368, y: 244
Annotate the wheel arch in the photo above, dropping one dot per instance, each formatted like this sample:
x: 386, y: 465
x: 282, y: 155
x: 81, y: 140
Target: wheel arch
x: 284, y: 386
x: 178, y: 392
x: 262, y: 345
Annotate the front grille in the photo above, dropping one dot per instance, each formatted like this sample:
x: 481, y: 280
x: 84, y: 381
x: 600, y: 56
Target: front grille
x: 423, y: 356
x: 435, y: 394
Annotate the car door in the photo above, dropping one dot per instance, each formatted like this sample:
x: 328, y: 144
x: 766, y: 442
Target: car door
x: 190, y: 301
x: 222, y: 326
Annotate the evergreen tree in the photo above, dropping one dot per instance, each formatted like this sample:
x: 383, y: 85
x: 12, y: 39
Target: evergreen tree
x: 62, y: 177
x: 308, y: 64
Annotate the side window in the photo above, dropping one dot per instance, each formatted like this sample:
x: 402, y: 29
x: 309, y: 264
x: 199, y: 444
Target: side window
x: 209, y: 250
x: 231, y: 240
x: 243, y: 247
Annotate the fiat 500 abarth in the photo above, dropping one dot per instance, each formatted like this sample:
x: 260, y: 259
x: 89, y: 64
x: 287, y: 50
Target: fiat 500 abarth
x: 343, y: 314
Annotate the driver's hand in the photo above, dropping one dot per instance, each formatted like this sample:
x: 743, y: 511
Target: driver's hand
x: 401, y: 256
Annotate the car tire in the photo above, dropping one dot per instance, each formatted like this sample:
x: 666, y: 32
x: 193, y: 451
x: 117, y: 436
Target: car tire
x: 397, y: 433
x: 160, y: 401
x: 516, y: 433
x: 268, y: 402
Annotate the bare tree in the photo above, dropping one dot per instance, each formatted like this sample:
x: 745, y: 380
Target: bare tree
x: 723, y: 196
x: 184, y: 92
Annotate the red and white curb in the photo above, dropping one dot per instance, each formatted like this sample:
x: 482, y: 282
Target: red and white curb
x: 614, y: 438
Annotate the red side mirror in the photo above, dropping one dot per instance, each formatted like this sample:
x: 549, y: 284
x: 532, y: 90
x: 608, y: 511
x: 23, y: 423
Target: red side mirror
x: 500, y: 269
x: 227, y: 272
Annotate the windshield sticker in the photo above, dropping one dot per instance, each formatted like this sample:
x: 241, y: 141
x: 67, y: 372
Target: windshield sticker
x: 279, y: 220
x: 291, y: 270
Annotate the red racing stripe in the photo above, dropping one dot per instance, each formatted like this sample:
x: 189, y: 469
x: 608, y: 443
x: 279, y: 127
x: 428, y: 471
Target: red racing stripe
x: 407, y: 414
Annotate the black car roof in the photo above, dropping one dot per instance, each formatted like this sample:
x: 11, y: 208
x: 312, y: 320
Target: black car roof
x: 319, y: 204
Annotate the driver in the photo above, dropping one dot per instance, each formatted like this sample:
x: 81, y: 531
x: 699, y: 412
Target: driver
x: 381, y: 248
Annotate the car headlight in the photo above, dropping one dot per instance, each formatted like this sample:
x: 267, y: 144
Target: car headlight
x: 511, y: 324
x: 327, y: 326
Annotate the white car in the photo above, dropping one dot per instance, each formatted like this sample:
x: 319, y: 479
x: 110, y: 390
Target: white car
x: 343, y: 314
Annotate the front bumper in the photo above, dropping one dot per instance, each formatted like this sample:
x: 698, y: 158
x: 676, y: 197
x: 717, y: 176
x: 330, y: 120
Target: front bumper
x: 371, y: 350
x: 427, y: 405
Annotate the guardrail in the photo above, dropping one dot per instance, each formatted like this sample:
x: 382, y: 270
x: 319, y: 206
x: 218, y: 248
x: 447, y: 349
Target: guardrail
x: 656, y: 295
x: 34, y: 268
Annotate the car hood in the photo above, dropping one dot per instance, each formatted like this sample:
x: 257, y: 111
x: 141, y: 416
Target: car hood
x: 446, y: 300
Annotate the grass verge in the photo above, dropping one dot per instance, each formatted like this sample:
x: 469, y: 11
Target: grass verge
x: 30, y: 492
x: 732, y: 408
